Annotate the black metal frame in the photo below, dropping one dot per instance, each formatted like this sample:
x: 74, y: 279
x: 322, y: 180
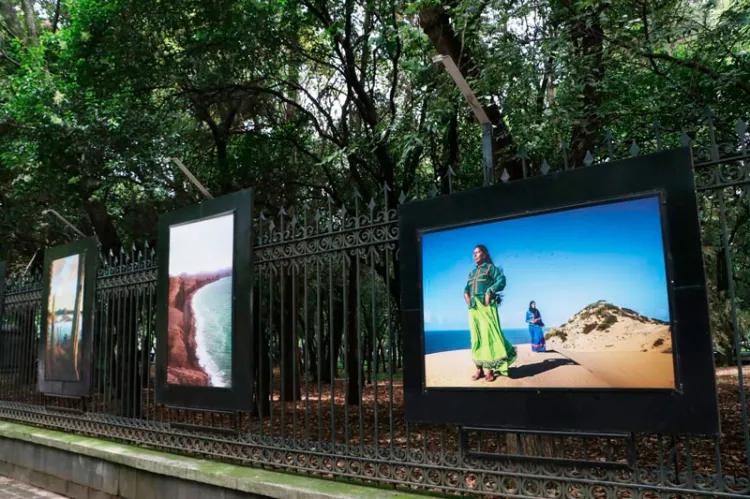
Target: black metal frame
x: 692, y: 408
x: 546, y: 460
x: 240, y: 396
x: 89, y: 248
x: 2, y: 288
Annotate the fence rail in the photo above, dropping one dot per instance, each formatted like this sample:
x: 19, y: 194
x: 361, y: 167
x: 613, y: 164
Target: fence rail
x: 329, y: 360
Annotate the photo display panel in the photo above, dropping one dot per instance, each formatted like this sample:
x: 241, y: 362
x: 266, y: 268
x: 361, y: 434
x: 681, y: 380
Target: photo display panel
x: 204, y: 348
x: 572, y: 301
x: 575, y: 298
x: 69, y: 284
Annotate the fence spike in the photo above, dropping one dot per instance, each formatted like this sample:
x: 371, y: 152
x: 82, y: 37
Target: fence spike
x: 685, y: 139
x: 657, y: 134
x: 371, y: 205
x: 608, y: 141
x: 433, y: 191
x: 401, y: 197
x: 386, y: 187
x: 356, y: 194
x: 564, y: 148
x: 741, y: 128
x: 634, y: 149
x: 712, y: 134
x: 588, y: 159
x: 282, y: 212
x: 505, y: 176
x: 318, y: 216
x: 545, y: 167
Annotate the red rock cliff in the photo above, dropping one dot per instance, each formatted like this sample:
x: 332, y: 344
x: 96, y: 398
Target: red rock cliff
x: 182, y: 362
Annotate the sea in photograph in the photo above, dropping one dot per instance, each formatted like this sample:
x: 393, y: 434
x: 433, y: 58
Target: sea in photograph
x: 212, y: 307
x: 63, y: 330
x: 445, y: 341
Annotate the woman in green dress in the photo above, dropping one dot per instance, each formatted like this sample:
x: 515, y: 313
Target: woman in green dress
x: 489, y: 348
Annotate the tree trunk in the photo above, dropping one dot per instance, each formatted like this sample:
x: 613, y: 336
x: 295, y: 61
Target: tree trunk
x: 30, y: 18
x: 451, y: 154
x: 103, y: 226
x: 588, y: 35
x: 222, y: 158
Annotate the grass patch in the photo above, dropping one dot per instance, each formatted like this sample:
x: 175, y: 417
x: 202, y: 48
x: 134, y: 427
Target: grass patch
x: 607, y: 321
x: 556, y: 333
x: 588, y: 328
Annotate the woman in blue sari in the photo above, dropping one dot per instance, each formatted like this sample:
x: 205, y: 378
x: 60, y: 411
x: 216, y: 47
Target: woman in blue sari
x: 534, y: 320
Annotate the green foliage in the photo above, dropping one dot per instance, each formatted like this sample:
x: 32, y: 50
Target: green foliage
x: 308, y: 101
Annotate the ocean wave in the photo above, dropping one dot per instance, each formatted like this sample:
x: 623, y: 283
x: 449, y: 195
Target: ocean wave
x: 220, y: 378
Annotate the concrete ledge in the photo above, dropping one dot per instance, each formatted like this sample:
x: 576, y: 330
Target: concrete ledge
x: 112, y: 470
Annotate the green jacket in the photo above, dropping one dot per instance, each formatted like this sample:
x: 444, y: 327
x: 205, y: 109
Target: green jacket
x: 485, y: 278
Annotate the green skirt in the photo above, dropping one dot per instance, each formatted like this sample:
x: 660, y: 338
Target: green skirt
x: 489, y: 348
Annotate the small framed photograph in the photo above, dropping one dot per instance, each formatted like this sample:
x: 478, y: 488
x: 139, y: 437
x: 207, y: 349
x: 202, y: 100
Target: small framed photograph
x: 67, y: 322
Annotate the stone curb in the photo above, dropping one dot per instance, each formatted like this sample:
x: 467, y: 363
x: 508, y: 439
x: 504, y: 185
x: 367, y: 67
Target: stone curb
x: 255, y: 481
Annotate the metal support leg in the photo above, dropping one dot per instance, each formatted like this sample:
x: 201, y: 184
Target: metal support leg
x: 487, y: 154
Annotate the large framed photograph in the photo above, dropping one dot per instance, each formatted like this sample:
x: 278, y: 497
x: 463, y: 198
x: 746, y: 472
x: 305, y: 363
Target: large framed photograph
x: 204, y: 326
x: 574, y: 301
x: 67, y: 322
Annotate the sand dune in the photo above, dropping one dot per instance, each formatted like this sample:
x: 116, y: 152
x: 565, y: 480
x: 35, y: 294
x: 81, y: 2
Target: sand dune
x: 623, y: 336
x: 628, y: 369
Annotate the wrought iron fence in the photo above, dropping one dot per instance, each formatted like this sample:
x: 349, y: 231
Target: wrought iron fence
x: 329, y: 357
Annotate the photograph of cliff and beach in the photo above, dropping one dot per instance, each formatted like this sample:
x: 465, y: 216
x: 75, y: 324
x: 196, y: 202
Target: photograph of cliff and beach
x: 199, y: 321
x: 64, y: 325
x: 569, y: 299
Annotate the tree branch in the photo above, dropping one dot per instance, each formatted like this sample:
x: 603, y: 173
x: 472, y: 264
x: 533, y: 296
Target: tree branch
x: 697, y: 67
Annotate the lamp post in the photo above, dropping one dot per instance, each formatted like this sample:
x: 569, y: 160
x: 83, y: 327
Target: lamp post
x: 191, y: 177
x: 476, y: 107
x: 63, y: 220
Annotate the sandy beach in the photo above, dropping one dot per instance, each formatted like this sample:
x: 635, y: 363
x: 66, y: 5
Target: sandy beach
x: 553, y: 369
x: 182, y: 360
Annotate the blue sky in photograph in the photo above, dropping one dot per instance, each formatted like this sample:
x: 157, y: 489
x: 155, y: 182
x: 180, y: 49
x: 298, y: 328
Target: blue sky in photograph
x: 564, y: 261
x: 203, y: 246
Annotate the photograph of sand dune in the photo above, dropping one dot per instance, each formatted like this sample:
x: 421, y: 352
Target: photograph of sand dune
x: 568, y: 299
x: 199, y: 319
x: 64, y: 325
